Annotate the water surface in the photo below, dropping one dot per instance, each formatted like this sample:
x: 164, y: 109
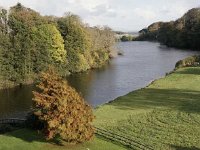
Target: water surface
x: 142, y: 62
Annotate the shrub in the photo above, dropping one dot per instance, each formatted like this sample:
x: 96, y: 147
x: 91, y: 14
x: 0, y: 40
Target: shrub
x: 125, y: 38
x: 63, y: 111
x: 188, y: 62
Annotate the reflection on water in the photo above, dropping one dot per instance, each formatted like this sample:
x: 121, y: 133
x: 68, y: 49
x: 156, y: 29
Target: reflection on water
x: 142, y: 62
x: 16, y: 101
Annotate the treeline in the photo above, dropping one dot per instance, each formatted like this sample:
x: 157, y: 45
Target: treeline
x: 126, y: 38
x: 30, y: 43
x: 182, y: 33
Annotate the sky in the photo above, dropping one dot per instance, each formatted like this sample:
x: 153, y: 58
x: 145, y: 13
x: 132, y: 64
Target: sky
x: 122, y: 15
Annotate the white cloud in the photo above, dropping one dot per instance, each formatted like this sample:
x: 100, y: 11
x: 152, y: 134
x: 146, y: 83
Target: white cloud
x: 103, y: 9
x: 145, y: 14
x: 121, y: 15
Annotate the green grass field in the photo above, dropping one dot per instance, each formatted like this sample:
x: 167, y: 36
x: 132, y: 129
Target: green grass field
x: 163, y: 116
x: 25, y: 139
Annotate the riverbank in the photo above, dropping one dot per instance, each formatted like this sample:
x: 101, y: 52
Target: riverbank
x: 122, y: 74
x: 6, y: 84
x: 163, y: 115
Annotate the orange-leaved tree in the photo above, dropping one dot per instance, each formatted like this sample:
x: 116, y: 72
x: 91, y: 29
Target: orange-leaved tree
x: 62, y: 110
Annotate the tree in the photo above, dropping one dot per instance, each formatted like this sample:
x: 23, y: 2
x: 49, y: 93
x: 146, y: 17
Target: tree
x: 102, y: 41
x: 166, y: 33
x: 192, y: 27
x: 35, y: 44
x: 6, y: 53
x: 6, y: 60
x: 76, y: 42
x: 21, y: 21
x: 125, y: 38
x: 62, y: 110
x: 3, y: 21
x: 29, y: 43
x: 182, y: 33
x: 49, y: 46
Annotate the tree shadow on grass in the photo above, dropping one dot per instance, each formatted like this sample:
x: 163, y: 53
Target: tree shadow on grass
x: 30, y: 136
x: 193, y: 71
x: 27, y: 135
x: 183, y: 100
x: 162, y: 126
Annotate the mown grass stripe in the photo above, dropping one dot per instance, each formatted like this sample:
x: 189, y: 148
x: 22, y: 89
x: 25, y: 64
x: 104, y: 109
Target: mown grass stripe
x: 130, y: 142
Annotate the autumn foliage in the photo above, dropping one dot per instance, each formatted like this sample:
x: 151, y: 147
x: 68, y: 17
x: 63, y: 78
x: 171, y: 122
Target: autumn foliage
x: 62, y: 110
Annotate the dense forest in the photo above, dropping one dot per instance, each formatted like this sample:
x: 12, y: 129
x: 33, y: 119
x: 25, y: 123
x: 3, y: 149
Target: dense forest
x: 182, y: 33
x: 30, y: 43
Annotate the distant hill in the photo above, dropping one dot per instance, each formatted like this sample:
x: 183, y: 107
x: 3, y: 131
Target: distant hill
x: 183, y: 32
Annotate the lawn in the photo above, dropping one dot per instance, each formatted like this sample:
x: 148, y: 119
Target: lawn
x: 163, y: 116
x: 25, y: 139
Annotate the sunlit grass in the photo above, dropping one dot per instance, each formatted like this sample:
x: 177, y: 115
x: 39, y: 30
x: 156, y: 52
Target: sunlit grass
x: 25, y: 139
x: 165, y: 115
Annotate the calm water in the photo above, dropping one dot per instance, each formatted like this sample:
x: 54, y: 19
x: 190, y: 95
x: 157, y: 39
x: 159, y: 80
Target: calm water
x: 142, y: 62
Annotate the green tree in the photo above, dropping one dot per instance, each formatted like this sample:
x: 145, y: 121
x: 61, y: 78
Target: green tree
x: 6, y: 53
x: 6, y: 60
x: 62, y: 110
x: 3, y: 21
x: 21, y: 21
x: 49, y: 46
x: 166, y: 33
x: 192, y: 27
x: 182, y: 33
x: 30, y: 42
x: 35, y: 44
x: 125, y: 38
x: 102, y: 41
x: 76, y: 42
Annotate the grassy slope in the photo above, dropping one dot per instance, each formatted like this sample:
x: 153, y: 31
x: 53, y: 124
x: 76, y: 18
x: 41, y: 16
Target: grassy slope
x: 165, y: 115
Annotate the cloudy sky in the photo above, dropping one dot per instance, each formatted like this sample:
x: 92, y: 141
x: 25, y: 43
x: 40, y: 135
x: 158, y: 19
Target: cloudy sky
x: 124, y: 15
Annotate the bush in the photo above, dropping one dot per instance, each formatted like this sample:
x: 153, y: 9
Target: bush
x: 63, y: 111
x: 188, y: 62
x: 125, y: 38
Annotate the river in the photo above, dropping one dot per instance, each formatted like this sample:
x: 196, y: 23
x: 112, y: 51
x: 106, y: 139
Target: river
x: 141, y: 63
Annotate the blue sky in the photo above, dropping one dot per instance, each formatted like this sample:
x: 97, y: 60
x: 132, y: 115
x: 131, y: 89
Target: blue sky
x: 124, y: 15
